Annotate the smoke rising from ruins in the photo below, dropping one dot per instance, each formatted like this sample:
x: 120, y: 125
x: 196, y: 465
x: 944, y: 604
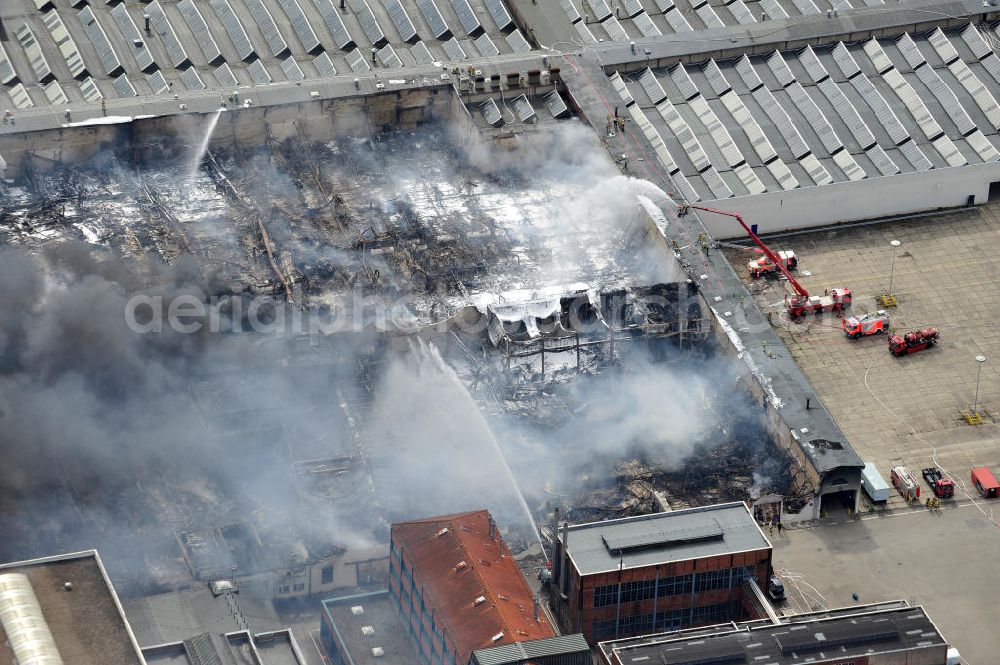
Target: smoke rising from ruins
x: 226, y: 425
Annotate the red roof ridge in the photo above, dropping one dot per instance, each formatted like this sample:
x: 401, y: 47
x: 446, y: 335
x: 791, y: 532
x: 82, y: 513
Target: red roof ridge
x: 443, y: 518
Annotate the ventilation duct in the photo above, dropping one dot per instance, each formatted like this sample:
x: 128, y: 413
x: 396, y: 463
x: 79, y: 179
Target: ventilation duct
x: 21, y: 616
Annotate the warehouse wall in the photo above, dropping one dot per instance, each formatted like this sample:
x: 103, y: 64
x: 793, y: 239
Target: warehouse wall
x: 320, y: 119
x: 870, y: 198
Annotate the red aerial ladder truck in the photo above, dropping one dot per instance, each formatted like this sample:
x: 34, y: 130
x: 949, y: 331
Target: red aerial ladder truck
x: 832, y: 300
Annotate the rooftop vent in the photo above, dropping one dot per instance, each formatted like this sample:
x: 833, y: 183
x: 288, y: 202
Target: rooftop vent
x: 497, y: 637
x: 378, y: 652
x: 21, y: 617
x: 847, y: 636
x: 368, y: 631
x: 479, y: 601
x: 502, y: 597
x: 461, y: 565
x: 662, y: 539
x: 357, y: 610
x: 442, y: 532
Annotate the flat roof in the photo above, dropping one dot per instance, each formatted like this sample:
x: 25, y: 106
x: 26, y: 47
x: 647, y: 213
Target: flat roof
x: 87, y: 623
x: 180, y: 615
x: 274, y: 648
x: 649, y: 540
x: 840, y: 635
x: 377, y: 613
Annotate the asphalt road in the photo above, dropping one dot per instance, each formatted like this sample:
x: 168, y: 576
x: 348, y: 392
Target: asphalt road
x: 947, y: 560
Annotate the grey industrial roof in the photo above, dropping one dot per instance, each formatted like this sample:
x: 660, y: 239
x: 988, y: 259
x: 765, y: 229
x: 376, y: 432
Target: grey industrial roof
x: 862, y: 633
x: 274, y: 648
x: 512, y: 654
x: 87, y: 623
x: 647, y: 540
x: 820, y: 115
x: 181, y: 615
x: 793, y: 32
x: 188, y: 41
x: 388, y: 632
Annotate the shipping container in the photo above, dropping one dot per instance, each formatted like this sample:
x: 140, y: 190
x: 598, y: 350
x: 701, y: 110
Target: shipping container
x: 874, y: 484
x: 985, y: 482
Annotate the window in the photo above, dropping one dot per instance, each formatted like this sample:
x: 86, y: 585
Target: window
x: 628, y: 625
x: 711, y: 580
x: 642, y: 590
x: 672, y: 620
x: 711, y: 614
x: 327, y: 575
x: 283, y: 588
x: 299, y: 587
x: 671, y: 586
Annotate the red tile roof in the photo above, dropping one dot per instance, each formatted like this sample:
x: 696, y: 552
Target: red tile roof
x: 456, y: 562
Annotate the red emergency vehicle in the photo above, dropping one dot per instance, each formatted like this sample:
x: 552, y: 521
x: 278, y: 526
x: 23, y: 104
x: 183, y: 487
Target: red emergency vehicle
x: 985, y: 482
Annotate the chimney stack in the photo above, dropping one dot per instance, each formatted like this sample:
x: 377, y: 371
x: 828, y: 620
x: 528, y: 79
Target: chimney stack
x: 556, y: 549
x: 536, y: 609
x: 563, y: 558
x: 492, y: 527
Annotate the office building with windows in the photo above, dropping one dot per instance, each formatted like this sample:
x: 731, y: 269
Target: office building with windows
x: 660, y: 572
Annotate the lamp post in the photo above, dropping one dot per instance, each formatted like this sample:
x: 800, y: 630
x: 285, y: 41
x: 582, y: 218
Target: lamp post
x: 975, y: 404
x: 892, y: 266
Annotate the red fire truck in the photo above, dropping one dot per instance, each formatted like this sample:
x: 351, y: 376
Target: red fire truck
x: 832, y: 300
x: 904, y: 481
x: 869, y: 324
x: 765, y: 265
x: 912, y: 342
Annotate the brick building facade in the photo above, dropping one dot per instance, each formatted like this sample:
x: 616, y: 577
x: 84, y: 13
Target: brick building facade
x: 658, y: 572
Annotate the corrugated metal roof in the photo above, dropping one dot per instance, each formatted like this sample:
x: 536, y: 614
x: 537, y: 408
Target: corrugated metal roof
x: 191, y: 80
x: 105, y: 52
x: 235, y: 30
x: 341, y: 37
x: 26, y: 38
x: 135, y: 39
x: 301, y: 25
x: 740, y: 533
x: 7, y: 74
x: 369, y: 24
x: 455, y: 561
x: 67, y: 47
x: 268, y: 28
x: 439, y: 28
x: 161, y: 26
x: 513, y: 654
x: 196, y: 22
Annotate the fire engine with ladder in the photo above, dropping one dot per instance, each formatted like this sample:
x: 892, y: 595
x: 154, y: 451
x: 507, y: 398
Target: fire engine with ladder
x: 832, y: 300
x: 904, y: 481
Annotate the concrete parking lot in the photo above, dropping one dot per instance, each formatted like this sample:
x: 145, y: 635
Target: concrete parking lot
x: 946, y: 560
x: 905, y: 410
